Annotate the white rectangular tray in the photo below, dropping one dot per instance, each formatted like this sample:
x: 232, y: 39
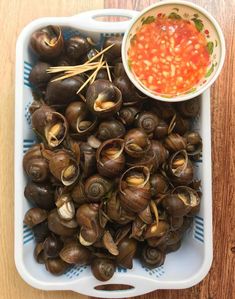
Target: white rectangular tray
x: 183, y: 268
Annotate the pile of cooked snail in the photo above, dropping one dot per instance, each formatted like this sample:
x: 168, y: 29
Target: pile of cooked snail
x: 111, y: 177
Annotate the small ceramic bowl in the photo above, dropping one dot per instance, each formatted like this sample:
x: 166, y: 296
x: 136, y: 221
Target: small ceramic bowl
x: 204, y: 23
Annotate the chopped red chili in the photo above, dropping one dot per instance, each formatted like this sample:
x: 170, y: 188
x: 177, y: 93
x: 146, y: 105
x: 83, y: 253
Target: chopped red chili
x: 169, y: 56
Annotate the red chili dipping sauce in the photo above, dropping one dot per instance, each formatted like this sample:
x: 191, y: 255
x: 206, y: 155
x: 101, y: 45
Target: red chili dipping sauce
x: 169, y: 56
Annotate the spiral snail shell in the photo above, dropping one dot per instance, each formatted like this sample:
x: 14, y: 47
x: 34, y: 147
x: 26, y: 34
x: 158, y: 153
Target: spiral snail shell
x: 96, y: 187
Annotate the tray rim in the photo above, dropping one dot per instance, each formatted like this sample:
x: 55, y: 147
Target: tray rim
x: 208, y: 255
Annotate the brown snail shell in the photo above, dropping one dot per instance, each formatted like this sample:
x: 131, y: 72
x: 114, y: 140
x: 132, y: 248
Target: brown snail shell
x: 136, y: 143
x: 94, y: 142
x: 103, y: 217
x: 65, y: 207
x: 39, y: 77
x: 102, y: 74
x: 161, y: 130
x: 156, y: 229
x: 75, y: 253
x: 110, y: 129
x: 119, y: 70
x: 159, y: 184
x: 134, y: 189
x: 64, y: 166
x: 127, y: 89
x: 161, y: 153
x: 103, y: 268
x: 34, y: 216
x: 60, y: 227
x: 188, y: 195
x: 96, y: 187
x: 190, y: 108
x: 148, y: 160
x: 109, y: 243
x: 122, y: 232
x: 41, y: 194
x: 147, y: 121
x: 79, y: 118
x: 174, y: 142
x: 50, y: 125
x: 116, y: 212
x: 56, y: 266
x: 52, y: 246
x: 175, y: 206
x: 181, y: 200
x: 165, y: 111
x: 35, y: 165
x: 127, y: 115
x: 89, y: 55
x: 146, y: 215
x: 38, y: 253
x: 36, y: 104
x: 87, y: 216
x: 110, y: 158
x: 64, y: 60
x: 115, y: 51
x: 127, y: 250
x: 88, y: 159
x: 74, y: 146
x: 76, y: 46
x: 40, y: 231
x: 187, y: 223
x: 172, y: 247
x: 60, y: 93
x: 180, y: 168
x: 170, y: 241
x: 152, y: 257
x: 47, y: 42
x: 175, y: 222
x: 181, y: 125
x: 103, y: 98
x: 78, y: 193
x: 194, y: 143
x: 138, y: 228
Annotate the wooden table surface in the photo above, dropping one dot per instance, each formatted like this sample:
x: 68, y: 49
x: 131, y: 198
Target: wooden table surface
x: 220, y: 283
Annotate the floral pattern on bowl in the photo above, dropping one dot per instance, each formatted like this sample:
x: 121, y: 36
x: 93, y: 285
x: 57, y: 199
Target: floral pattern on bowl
x: 215, y: 47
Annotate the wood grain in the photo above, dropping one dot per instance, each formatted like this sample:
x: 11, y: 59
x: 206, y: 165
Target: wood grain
x: 14, y: 15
